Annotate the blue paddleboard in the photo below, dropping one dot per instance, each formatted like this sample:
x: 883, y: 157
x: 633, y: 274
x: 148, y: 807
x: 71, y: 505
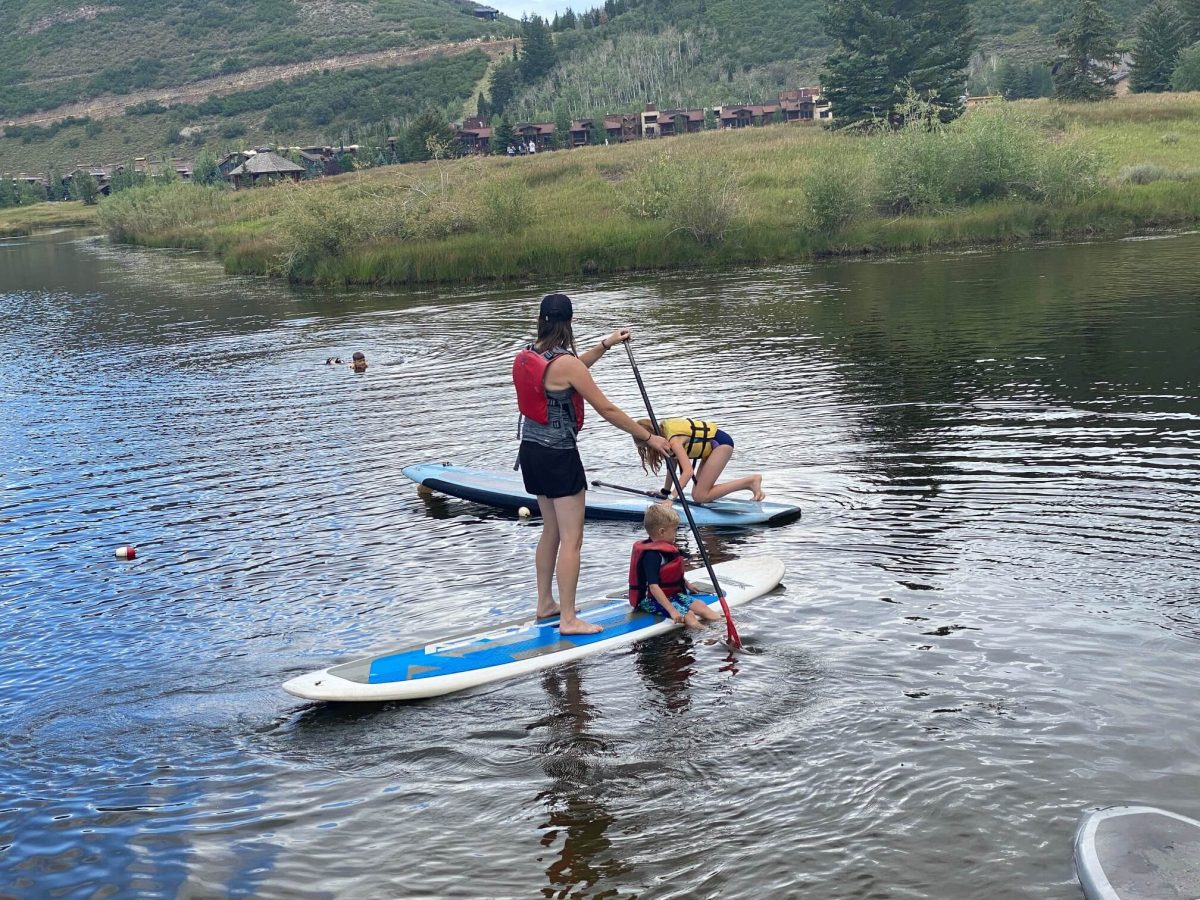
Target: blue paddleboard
x: 507, y: 491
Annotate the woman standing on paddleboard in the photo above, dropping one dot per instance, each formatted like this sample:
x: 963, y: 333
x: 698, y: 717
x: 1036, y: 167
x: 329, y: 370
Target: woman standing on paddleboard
x: 552, y: 382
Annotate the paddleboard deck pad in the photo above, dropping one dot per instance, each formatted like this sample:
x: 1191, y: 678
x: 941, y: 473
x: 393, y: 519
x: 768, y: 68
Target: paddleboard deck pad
x: 507, y: 491
x: 518, y: 648
x: 1137, y: 853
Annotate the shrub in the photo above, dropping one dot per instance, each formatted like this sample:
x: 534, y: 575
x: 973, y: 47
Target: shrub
x: 993, y: 153
x: 507, y: 207
x: 319, y: 225
x: 1143, y: 173
x: 836, y: 195
x: 158, y: 209
x: 697, y: 196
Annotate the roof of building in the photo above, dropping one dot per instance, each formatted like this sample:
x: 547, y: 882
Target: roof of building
x: 267, y: 163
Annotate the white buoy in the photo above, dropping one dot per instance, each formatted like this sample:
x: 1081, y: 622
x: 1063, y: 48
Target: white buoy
x: 126, y: 552
x: 524, y: 512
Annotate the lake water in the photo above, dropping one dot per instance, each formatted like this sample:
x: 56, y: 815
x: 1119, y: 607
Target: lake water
x: 990, y: 621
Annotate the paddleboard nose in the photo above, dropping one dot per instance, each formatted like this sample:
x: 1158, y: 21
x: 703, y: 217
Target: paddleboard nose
x: 311, y: 686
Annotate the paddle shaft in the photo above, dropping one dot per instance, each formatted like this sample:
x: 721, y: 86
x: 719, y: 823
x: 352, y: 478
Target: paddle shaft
x: 730, y: 630
x: 616, y: 487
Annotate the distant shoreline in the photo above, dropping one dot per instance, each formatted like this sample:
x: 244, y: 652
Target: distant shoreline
x: 788, y: 194
x: 20, y: 221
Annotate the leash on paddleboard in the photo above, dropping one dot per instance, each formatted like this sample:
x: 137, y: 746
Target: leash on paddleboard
x: 730, y: 630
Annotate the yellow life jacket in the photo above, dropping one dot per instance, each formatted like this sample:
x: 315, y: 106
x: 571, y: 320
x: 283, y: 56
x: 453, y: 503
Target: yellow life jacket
x: 697, y: 435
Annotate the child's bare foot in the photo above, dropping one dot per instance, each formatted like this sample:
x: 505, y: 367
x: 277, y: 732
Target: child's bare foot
x: 756, y: 488
x: 691, y: 621
x: 547, y: 610
x: 577, y: 626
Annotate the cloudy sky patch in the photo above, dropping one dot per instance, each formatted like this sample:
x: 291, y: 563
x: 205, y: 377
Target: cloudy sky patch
x: 544, y: 8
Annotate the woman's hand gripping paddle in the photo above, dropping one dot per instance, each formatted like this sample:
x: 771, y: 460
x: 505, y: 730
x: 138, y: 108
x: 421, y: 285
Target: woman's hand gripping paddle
x: 730, y: 630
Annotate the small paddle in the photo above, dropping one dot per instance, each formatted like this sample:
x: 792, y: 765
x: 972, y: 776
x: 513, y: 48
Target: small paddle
x: 730, y: 630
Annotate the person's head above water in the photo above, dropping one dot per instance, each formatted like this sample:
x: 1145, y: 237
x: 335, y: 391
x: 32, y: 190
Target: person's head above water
x: 554, y: 323
x: 358, y: 362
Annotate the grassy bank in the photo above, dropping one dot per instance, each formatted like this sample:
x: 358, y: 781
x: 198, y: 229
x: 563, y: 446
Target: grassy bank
x: 21, y: 220
x: 1005, y: 173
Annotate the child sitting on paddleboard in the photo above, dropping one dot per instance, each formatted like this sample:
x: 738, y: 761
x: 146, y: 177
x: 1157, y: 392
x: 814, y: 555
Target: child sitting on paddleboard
x: 656, y: 581
x: 712, y: 448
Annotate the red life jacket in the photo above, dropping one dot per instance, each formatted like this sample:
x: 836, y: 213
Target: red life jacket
x: 529, y: 377
x: 670, y: 576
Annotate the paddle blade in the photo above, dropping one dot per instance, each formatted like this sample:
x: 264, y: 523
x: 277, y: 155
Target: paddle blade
x: 730, y: 628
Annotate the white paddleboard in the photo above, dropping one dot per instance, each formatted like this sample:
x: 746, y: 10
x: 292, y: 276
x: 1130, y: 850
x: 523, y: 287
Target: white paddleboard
x: 1137, y: 853
x: 518, y: 648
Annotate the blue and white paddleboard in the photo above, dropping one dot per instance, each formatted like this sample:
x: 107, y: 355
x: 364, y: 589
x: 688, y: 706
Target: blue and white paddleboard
x: 517, y: 648
x: 507, y: 491
x: 1137, y: 853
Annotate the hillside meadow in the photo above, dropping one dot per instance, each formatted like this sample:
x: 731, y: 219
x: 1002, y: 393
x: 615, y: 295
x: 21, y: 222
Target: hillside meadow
x: 1003, y: 173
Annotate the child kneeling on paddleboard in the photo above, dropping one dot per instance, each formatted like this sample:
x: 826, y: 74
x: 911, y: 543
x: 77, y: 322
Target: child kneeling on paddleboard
x: 703, y: 441
x: 656, y: 581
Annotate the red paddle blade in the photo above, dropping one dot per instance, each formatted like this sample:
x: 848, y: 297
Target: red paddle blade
x: 730, y: 628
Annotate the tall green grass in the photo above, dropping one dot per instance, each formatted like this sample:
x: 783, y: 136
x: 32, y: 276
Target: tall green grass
x: 1004, y: 173
x: 17, y: 221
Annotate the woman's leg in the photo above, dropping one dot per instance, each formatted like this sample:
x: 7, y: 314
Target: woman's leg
x: 568, y: 515
x: 547, y: 553
x: 706, y: 487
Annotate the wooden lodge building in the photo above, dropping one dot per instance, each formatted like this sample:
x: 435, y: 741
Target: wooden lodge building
x: 804, y: 105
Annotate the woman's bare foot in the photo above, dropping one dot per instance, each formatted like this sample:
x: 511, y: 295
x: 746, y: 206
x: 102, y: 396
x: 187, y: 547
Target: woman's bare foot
x: 547, y: 610
x: 577, y: 626
x: 756, y: 488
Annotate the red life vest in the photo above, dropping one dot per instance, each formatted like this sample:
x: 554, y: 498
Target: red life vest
x: 529, y: 377
x: 670, y: 576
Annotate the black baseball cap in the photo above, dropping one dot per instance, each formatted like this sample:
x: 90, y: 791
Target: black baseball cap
x: 556, y: 308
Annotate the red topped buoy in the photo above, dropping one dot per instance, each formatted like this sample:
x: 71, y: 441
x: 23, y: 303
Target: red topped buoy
x: 126, y: 552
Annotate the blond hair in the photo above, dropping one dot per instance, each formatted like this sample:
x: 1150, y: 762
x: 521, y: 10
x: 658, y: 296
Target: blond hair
x: 651, y: 460
x: 659, y: 516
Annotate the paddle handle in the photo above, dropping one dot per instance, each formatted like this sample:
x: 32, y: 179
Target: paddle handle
x: 730, y: 629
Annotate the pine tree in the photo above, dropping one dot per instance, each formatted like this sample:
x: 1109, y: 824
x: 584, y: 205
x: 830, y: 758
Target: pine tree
x: 503, y: 136
x: 537, y: 49
x: 1161, y: 35
x: 1190, y: 10
x: 503, y: 85
x: 887, y: 47
x: 54, y: 185
x: 598, y: 133
x: 9, y: 196
x: 1083, y: 71
x: 562, y: 125
x: 1186, y: 76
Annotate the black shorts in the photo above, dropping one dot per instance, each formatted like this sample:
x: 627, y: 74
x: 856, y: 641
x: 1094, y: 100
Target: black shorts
x: 551, y: 473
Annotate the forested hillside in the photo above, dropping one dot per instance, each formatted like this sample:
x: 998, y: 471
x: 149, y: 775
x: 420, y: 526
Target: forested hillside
x: 177, y: 76
x: 54, y: 52
x: 699, y: 52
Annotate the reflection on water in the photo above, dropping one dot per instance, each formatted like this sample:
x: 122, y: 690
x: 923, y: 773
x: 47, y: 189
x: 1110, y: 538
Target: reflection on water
x: 576, y: 819
x: 989, y: 620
